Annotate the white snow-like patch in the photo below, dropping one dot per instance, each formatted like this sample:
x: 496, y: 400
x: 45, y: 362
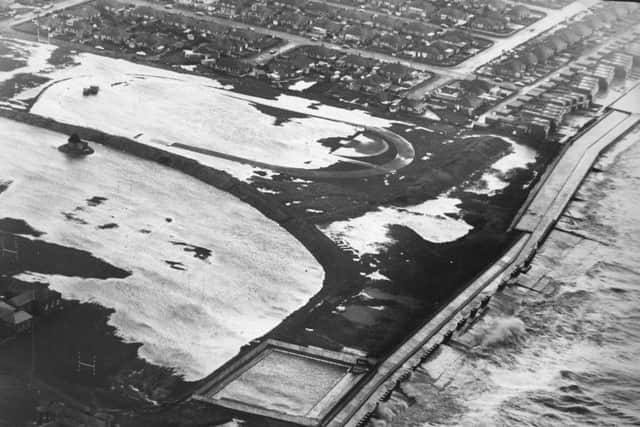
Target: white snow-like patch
x: 431, y: 115
x: 362, y: 146
x: 364, y: 296
x: 376, y: 275
x: 179, y: 112
x: 424, y: 129
x: 36, y: 55
x: 495, y: 179
x: 369, y: 233
x: 302, y: 85
x: 188, y: 109
x: 267, y: 190
x: 300, y: 180
x: 192, y: 320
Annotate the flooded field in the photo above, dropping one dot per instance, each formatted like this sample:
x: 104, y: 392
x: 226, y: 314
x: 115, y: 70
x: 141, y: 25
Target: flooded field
x: 209, y: 272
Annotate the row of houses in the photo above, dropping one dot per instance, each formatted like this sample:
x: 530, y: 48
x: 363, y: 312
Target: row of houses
x: 356, y: 27
x: 383, y: 81
x: 543, y: 109
x: 541, y: 51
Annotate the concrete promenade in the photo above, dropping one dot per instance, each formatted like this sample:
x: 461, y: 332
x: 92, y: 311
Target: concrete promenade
x: 408, y: 354
x: 538, y: 219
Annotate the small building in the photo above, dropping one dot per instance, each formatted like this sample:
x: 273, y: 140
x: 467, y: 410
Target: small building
x: 587, y: 84
x: 554, y: 113
x: 539, y: 127
x: 621, y: 62
x: 14, y: 321
x: 232, y: 66
x: 604, y: 72
x: 513, y: 67
x: 452, y: 14
x: 395, y: 72
x: 520, y: 12
x: 495, y: 25
x: 37, y: 302
x: 633, y: 49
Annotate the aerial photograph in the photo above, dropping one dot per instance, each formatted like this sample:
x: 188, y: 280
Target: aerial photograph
x: 324, y: 213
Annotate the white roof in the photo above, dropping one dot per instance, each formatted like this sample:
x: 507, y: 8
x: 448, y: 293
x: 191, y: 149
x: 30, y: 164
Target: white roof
x: 21, y: 316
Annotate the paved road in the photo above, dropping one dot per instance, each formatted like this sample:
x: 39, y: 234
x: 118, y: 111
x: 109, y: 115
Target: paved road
x: 19, y: 19
x: 502, y: 45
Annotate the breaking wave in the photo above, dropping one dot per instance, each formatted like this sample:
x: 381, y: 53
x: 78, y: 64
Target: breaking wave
x: 505, y: 331
x: 568, y: 356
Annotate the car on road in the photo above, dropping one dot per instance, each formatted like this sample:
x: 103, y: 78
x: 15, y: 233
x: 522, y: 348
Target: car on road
x: 201, y: 13
x: 273, y: 51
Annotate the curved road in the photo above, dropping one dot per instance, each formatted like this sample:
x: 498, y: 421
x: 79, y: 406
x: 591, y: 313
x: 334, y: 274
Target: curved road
x: 405, y: 154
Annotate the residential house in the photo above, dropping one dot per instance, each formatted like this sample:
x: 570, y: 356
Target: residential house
x: 395, y: 72
x: 604, y: 72
x: 433, y: 53
x: 543, y: 52
x: 321, y: 53
x: 513, y: 67
x: 452, y: 14
x: 14, y: 321
x: 390, y: 41
x: 232, y: 66
x: 418, y: 29
x: 587, y: 84
x: 519, y: 13
x: 495, y: 25
x: 622, y: 63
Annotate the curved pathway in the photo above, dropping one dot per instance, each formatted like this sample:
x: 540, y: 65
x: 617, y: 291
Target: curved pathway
x: 405, y: 154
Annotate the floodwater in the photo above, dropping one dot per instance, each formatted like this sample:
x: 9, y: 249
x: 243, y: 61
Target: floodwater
x: 209, y: 272
x: 204, y: 113
x: 565, y: 359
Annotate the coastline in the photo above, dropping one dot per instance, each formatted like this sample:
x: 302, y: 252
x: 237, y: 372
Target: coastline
x: 464, y: 312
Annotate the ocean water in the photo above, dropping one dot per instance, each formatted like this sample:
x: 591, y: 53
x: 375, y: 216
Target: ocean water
x: 568, y: 358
